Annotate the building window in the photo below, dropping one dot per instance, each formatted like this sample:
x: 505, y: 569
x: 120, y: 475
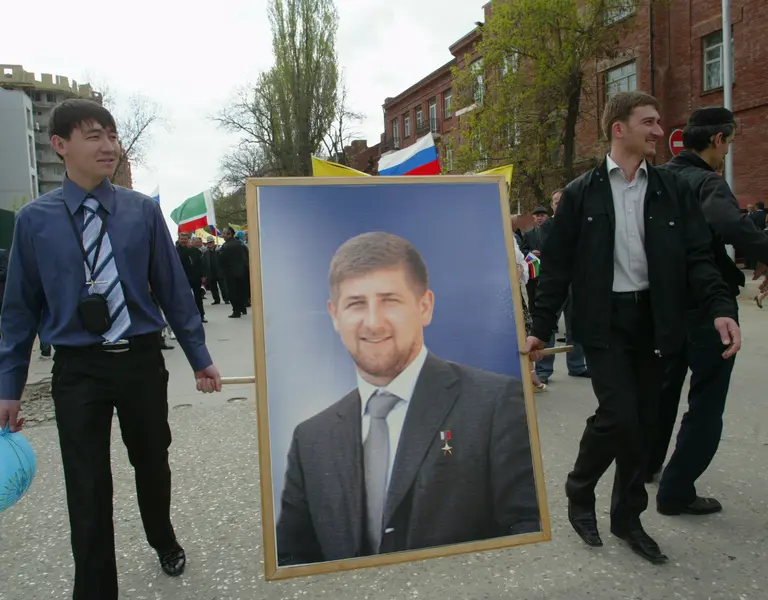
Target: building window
x: 449, y: 159
x: 419, y: 118
x: 433, y: 115
x: 712, y: 50
x: 30, y: 124
x: 407, y: 125
x: 447, y: 102
x: 477, y: 69
x: 621, y: 79
x: 49, y: 97
x: 510, y: 64
x: 619, y: 10
x: 34, y: 186
x: 31, y: 151
x: 396, y: 133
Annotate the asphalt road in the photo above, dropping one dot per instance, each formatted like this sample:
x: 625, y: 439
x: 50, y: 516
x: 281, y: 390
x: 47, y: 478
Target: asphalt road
x: 217, y: 513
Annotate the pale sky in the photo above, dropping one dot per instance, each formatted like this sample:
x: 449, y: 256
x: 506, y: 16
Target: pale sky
x: 192, y: 61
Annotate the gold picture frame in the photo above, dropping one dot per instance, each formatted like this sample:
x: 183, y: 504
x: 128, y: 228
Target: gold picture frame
x: 272, y: 570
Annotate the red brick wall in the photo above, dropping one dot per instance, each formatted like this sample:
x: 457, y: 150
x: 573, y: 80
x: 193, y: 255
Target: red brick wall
x: 679, y: 28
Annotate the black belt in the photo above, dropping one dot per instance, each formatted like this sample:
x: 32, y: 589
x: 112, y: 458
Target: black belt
x: 639, y: 296
x: 146, y: 341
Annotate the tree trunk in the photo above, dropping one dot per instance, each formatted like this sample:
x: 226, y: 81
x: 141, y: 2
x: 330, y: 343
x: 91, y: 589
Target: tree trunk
x: 571, y: 119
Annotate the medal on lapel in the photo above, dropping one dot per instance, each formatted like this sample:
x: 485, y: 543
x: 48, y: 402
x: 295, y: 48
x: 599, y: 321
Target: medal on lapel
x: 445, y: 437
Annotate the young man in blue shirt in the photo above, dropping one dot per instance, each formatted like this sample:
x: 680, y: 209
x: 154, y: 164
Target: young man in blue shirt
x: 80, y: 269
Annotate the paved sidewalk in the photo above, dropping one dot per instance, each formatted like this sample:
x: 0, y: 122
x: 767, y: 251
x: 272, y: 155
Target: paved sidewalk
x: 216, y: 509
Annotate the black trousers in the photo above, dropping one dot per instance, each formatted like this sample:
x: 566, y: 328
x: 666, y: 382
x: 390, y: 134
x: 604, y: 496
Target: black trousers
x: 198, y: 293
x: 702, y: 425
x: 626, y: 378
x: 86, y: 385
x: 238, y: 293
x: 213, y: 284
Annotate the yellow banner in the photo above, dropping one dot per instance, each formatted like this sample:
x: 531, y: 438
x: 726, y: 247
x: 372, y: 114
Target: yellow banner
x: 505, y: 170
x: 324, y: 168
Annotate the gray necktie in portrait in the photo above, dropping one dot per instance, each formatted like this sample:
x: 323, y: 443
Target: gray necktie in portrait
x: 376, y: 456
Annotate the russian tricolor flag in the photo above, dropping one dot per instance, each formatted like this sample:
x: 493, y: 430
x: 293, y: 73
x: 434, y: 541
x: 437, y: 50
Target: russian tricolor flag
x: 418, y: 159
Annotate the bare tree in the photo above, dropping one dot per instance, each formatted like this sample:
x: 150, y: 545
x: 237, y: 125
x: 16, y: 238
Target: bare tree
x: 246, y: 160
x: 343, y: 130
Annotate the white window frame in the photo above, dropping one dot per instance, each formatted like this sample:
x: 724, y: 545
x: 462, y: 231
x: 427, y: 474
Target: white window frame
x: 396, y: 132
x: 407, y: 125
x: 621, y: 79
x: 712, y: 54
x: 448, y: 104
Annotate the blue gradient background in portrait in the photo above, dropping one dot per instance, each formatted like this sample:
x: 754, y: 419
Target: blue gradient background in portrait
x: 457, y: 228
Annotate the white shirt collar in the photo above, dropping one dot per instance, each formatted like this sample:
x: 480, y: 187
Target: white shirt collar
x: 401, y: 386
x: 612, y: 166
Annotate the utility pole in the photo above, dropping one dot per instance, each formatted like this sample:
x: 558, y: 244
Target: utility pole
x: 728, y: 82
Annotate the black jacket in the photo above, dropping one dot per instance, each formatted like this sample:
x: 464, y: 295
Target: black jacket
x: 580, y: 252
x: 233, y: 259
x: 192, y: 261
x: 721, y: 210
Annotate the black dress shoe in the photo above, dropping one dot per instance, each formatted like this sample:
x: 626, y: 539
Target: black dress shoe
x: 584, y: 522
x: 234, y: 316
x: 173, y: 561
x: 584, y: 374
x: 641, y: 543
x: 700, y: 506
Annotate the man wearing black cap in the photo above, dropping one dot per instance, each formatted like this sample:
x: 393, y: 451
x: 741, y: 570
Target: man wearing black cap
x: 533, y: 242
x: 706, y: 140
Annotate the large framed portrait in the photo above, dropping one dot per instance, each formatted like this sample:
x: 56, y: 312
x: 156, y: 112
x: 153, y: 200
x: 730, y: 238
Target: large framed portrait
x: 396, y: 417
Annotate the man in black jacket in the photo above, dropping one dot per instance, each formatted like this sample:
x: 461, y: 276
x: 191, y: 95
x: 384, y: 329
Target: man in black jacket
x: 633, y: 244
x: 233, y: 261
x: 192, y: 261
x: 706, y: 139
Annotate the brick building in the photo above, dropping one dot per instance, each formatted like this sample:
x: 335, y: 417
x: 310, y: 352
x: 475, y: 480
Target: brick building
x: 676, y: 55
x: 674, y: 51
x: 428, y: 105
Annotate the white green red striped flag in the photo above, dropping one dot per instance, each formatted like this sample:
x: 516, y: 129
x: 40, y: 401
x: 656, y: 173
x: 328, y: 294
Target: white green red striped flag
x: 195, y: 212
x: 534, y: 265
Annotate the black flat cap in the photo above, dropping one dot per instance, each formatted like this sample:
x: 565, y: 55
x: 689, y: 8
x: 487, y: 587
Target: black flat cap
x: 539, y: 210
x: 711, y: 115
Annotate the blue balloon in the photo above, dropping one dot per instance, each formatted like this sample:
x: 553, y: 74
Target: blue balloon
x: 18, y: 466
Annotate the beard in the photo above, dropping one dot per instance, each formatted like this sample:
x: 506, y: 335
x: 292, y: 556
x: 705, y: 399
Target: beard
x: 386, y: 362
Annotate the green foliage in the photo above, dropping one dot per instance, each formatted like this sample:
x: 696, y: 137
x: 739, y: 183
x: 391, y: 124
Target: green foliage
x: 291, y: 108
x: 534, y: 56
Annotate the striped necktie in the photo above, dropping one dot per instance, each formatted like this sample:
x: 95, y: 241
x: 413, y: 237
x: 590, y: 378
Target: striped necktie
x: 105, y: 278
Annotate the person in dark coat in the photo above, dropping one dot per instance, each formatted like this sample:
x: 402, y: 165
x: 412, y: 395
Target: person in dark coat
x: 706, y: 138
x: 233, y: 261
x: 212, y: 272
x: 532, y: 244
x: 192, y: 261
x: 621, y: 227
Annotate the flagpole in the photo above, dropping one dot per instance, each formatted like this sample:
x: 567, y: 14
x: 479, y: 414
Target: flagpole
x: 727, y: 81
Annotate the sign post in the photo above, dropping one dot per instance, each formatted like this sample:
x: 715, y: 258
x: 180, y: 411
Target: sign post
x: 676, y: 142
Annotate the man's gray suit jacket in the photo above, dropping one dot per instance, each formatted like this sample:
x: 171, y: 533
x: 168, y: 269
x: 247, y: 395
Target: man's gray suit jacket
x: 483, y: 488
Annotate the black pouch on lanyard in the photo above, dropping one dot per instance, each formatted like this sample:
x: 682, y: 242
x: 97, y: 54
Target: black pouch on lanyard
x: 93, y: 309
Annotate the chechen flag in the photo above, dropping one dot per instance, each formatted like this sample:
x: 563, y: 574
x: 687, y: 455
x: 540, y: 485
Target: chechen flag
x: 195, y: 213
x: 417, y: 159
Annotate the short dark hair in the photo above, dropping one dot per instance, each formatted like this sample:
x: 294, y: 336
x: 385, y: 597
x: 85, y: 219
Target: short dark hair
x: 71, y: 114
x: 760, y: 205
x: 699, y: 137
x: 620, y: 106
x: 373, y: 251
x: 229, y: 230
